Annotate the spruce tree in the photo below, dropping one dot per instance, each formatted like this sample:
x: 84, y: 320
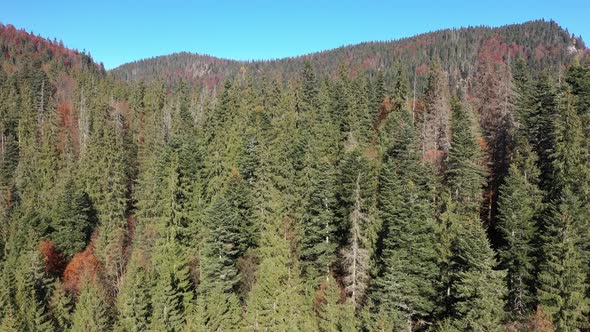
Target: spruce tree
x: 9, y: 323
x: 172, y: 293
x: 538, y: 125
x: 563, y: 272
x: 73, y: 220
x: 228, y: 220
x: 520, y: 205
x: 475, y: 289
x: 32, y: 291
x: 217, y: 310
x: 436, y: 118
x: 133, y: 301
x: 275, y: 301
x: 319, y: 183
x: 61, y: 307
x: 401, y: 89
x: 562, y: 286
x: 103, y: 174
x: 465, y: 174
x: 91, y: 312
x: 405, y: 285
x: 332, y: 313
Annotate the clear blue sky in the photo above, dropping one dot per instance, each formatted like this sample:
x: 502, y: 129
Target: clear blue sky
x: 115, y: 32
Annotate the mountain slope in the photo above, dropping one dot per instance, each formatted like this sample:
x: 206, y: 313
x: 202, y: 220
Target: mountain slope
x: 18, y: 46
x: 543, y: 43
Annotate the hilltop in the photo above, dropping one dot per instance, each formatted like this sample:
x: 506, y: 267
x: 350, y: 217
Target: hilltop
x: 543, y: 43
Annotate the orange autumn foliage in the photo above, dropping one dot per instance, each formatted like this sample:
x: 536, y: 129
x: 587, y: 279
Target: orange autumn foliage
x: 541, y: 321
x: 82, y: 264
x: 434, y: 157
x: 319, y: 299
x: 53, y: 259
x: 483, y: 144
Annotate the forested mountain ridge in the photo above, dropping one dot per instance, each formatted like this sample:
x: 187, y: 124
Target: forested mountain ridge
x: 543, y: 43
x: 437, y: 188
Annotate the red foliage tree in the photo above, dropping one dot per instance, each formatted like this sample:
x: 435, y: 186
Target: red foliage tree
x: 53, y: 259
x: 82, y: 264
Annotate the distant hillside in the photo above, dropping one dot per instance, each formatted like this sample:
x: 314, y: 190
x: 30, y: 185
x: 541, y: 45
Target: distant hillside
x: 543, y: 43
x: 18, y: 47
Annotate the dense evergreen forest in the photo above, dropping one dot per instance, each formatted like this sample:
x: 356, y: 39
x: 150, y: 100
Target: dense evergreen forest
x: 435, y: 183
